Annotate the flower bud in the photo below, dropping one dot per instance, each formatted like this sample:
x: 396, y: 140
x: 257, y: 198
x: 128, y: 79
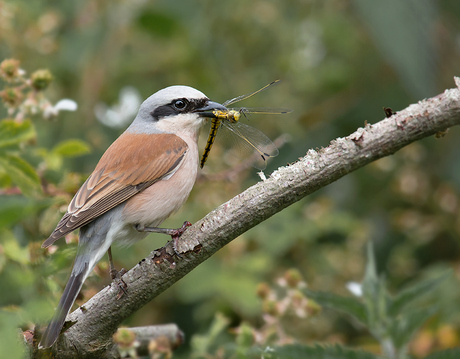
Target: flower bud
x: 12, y: 97
x: 9, y: 69
x: 41, y: 79
x: 293, y: 278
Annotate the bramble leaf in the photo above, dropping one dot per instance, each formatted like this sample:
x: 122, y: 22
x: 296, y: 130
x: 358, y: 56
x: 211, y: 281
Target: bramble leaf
x: 71, y: 148
x: 21, y: 173
x: 13, y: 132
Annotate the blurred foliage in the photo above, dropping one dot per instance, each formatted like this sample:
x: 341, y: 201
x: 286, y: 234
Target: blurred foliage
x: 340, y: 62
x: 391, y: 319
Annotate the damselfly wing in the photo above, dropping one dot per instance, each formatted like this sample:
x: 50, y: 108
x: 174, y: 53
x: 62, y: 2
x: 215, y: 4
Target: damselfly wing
x: 246, y: 140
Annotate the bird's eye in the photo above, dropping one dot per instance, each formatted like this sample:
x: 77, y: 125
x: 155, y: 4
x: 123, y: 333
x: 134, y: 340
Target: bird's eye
x: 180, y: 104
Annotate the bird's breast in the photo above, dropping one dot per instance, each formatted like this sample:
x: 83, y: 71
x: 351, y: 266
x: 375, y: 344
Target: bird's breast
x: 157, y: 202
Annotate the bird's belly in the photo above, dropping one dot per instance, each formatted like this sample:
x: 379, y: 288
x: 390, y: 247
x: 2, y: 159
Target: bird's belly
x: 156, y: 203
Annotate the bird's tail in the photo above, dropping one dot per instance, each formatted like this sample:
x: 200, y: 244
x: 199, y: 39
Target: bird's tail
x: 93, y: 244
x: 77, y: 277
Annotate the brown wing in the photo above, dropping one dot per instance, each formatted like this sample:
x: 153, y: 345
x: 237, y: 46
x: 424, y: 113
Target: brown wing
x: 130, y: 165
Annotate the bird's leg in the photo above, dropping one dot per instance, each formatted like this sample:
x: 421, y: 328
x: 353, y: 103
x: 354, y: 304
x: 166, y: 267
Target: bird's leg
x: 174, y: 233
x: 117, y: 275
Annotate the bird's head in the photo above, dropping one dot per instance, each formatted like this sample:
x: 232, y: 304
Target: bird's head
x: 174, y: 109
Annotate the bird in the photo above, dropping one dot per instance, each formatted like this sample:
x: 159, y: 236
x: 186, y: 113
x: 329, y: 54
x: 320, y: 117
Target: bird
x: 143, y: 177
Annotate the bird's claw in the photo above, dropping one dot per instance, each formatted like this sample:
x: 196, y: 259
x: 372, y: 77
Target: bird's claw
x: 118, y: 281
x: 176, y: 235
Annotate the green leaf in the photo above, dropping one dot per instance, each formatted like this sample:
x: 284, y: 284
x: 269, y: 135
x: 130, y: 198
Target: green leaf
x: 375, y: 296
x: 348, y: 305
x: 409, y: 295
x: 298, y: 351
x: 407, y: 324
x: 445, y: 354
x: 201, y: 344
x: 13, y: 209
x: 10, y: 319
x: 21, y: 173
x: 13, y: 132
x: 12, y: 249
x: 71, y: 148
x: 245, y: 338
x: 371, y: 284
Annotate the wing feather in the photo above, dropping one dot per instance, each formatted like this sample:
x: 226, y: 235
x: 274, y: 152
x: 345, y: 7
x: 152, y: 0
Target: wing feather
x: 130, y: 165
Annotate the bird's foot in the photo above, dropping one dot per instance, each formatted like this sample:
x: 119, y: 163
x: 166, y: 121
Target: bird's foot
x: 174, y: 233
x: 118, y: 281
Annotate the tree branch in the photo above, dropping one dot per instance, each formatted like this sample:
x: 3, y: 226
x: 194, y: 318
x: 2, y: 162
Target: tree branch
x: 144, y: 340
x: 99, y: 318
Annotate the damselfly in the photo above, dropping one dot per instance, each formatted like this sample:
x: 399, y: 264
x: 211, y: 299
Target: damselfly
x: 247, y: 140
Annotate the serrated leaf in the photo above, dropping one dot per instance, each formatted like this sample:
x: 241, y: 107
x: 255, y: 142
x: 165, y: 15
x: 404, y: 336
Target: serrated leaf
x: 71, y: 148
x: 407, y: 324
x: 445, y: 354
x: 13, y: 132
x: 409, y: 295
x: 298, y: 351
x: 348, y: 305
x: 21, y: 173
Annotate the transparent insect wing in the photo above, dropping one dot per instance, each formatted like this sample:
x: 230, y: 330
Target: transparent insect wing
x: 247, y: 142
x: 261, y: 110
x: 244, y: 97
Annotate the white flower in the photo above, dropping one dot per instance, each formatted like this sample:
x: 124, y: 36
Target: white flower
x: 117, y: 116
x: 62, y: 105
x: 355, y: 288
x: 66, y: 105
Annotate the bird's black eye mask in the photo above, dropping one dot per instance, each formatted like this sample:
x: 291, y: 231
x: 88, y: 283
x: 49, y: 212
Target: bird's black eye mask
x: 177, y: 106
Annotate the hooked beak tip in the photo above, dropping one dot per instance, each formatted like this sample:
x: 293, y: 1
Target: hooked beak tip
x: 209, y: 108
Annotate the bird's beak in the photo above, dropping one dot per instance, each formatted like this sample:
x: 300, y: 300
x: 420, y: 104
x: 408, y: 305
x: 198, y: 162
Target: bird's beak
x: 208, y: 110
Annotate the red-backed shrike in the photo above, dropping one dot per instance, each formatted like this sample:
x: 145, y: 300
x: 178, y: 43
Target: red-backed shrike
x: 142, y: 178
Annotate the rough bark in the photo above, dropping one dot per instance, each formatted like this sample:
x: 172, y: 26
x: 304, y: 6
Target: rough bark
x: 99, y: 318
